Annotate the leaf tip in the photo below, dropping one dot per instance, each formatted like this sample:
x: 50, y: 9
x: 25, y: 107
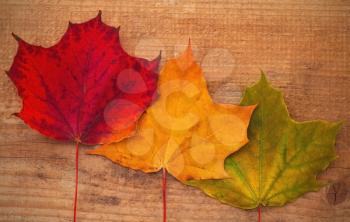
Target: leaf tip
x: 189, y: 47
x: 188, y: 50
x: 263, y: 78
x: 117, y: 30
x: 90, y: 152
x: 189, y: 44
x: 338, y: 125
x: 97, y: 151
x: 99, y: 15
x: 249, y: 109
x: 186, y: 59
x: 157, y: 59
x: 16, y: 115
x: 16, y: 37
x: 253, y: 107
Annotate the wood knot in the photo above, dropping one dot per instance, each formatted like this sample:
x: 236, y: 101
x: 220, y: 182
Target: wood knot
x: 336, y: 193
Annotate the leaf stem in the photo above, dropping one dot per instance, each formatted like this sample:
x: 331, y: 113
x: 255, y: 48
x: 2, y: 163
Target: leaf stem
x: 76, y: 180
x: 164, y: 194
x: 259, y: 214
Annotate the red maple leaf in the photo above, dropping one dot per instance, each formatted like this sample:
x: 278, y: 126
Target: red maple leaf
x: 85, y: 88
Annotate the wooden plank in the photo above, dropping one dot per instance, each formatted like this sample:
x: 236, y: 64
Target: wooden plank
x: 303, y: 45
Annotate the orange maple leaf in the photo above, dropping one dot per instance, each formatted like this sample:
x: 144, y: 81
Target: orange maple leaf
x: 184, y: 131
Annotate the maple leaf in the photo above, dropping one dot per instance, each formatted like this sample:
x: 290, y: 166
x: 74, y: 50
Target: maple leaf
x: 183, y: 132
x: 85, y: 88
x: 282, y: 159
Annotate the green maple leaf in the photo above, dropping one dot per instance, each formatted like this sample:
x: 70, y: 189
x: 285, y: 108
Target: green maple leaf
x: 282, y: 159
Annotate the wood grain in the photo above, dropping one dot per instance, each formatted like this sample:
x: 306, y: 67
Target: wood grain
x: 303, y: 45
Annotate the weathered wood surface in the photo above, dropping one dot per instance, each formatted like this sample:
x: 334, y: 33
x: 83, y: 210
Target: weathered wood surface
x: 303, y: 45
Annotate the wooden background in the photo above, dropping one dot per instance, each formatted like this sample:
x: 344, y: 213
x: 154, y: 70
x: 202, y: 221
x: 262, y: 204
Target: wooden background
x: 303, y: 45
